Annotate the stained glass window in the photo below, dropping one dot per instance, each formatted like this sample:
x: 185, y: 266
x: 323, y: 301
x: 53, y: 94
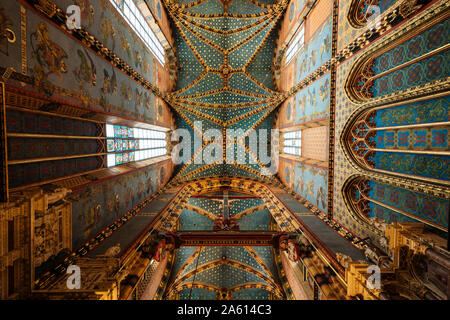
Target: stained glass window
x: 293, y: 143
x: 296, y: 45
x: 136, y: 20
x: 133, y: 144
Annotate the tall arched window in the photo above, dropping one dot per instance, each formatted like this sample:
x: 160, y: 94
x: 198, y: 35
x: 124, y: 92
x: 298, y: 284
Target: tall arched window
x: 296, y: 44
x: 133, y: 144
x: 136, y: 20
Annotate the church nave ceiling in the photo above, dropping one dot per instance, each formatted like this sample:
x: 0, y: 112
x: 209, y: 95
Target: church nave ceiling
x: 225, y: 53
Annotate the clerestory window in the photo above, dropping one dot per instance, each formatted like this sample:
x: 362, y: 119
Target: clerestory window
x: 136, y: 20
x: 133, y: 144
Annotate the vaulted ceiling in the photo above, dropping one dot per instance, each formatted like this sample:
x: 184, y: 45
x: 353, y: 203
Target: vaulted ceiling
x: 225, y: 53
x: 225, y: 273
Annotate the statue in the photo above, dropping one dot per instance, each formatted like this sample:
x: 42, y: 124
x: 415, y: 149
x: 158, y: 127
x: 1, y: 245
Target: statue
x: 345, y: 260
x: 378, y: 223
x: 112, y: 251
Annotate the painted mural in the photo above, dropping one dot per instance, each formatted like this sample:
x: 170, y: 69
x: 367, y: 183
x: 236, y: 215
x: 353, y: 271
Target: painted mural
x: 99, y: 205
x: 313, y: 102
x: 308, y: 181
x: 315, y: 53
x: 105, y: 23
x: 63, y: 69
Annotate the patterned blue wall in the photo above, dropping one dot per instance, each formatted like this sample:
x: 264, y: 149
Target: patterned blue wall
x: 312, y: 184
x: 423, y: 71
x: 62, y: 68
x: 431, y: 209
x: 423, y: 144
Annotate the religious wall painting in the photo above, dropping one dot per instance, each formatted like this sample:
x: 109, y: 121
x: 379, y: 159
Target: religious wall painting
x: 287, y: 176
x: 108, y: 32
x: 113, y: 203
x: 124, y: 44
x: 110, y: 27
x: 312, y: 184
x: 286, y: 172
x: 90, y: 219
x: 288, y: 111
x: 50, y: 58
x: 49, y: 53
x: 96, y: 207
x: 138, y: 60
x: 109, y: 82
x: 313, y: 102
x: 87, y: 12
x: 85, y: 74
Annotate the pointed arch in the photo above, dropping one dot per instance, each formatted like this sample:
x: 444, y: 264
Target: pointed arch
x: 401, y: 64
x: 373, y: 201
x: 409, y: 140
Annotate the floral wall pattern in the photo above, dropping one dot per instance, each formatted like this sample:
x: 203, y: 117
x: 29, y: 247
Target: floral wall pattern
x: 382, y: 201
x: 407, y: 139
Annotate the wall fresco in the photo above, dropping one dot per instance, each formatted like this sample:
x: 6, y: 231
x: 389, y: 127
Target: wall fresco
x: 63, y: 69
x: 309, y: 182
x: 96, y: 206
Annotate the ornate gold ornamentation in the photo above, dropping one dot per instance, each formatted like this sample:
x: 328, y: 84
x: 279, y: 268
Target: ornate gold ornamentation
x: 47, y: 7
